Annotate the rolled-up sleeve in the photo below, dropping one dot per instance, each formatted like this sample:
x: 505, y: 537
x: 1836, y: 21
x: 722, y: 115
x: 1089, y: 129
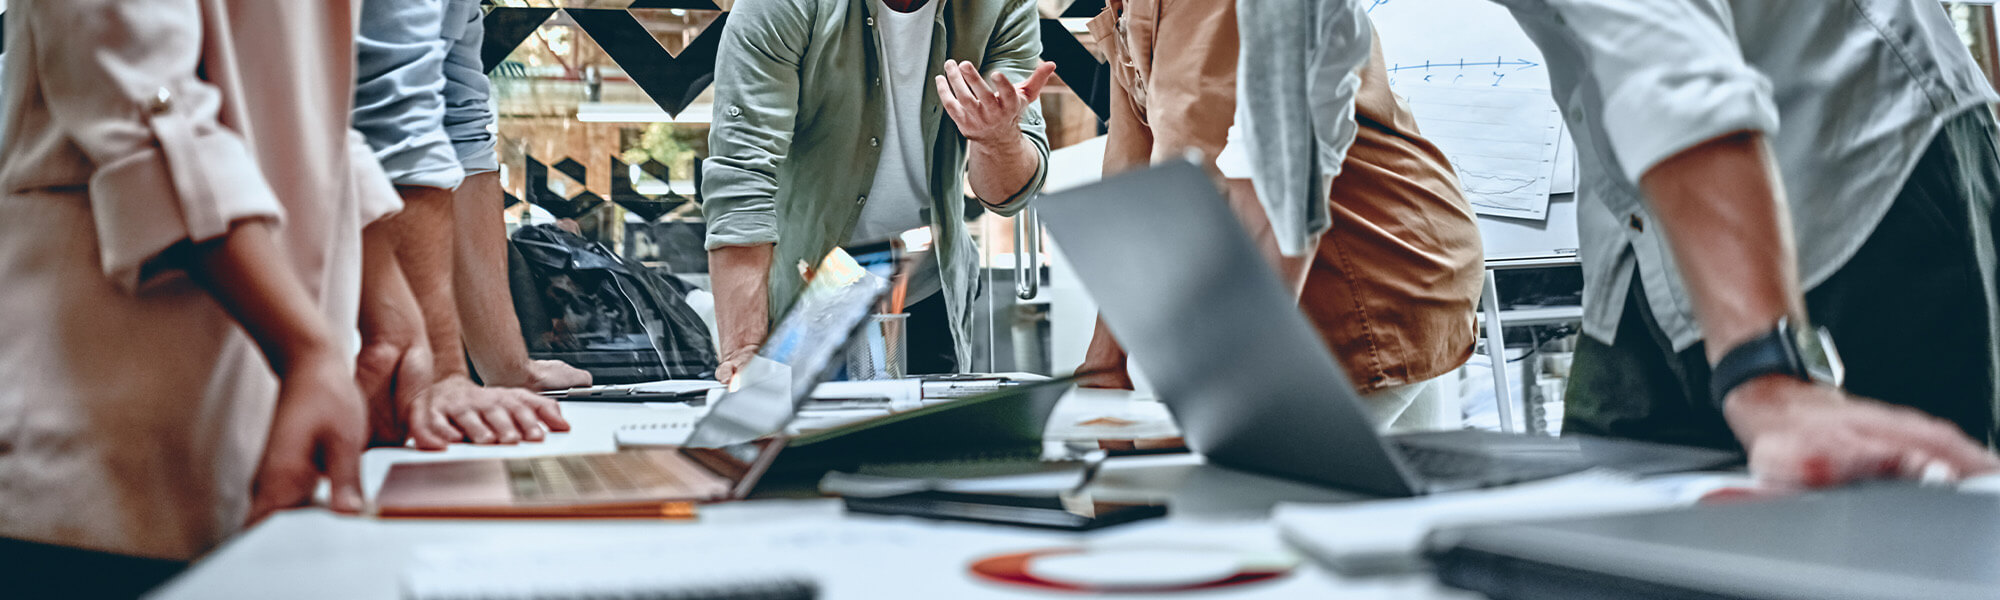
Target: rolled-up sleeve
x: 1016, y: 51
x: 120, y: 79
x: 374, y: 197
x: 756, y: 106
x: 1671, y: 73
x: 399, y: 91
x: 468, y: 105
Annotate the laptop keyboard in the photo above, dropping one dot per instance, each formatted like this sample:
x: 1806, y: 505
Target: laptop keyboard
x: 1434, y: 463
x: 596, y: 475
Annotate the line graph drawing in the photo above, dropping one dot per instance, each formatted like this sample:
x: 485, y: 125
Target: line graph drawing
x: 1454, y: 71
x: 1502, y: 143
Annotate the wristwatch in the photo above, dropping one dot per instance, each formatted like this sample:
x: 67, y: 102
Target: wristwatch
x: 1792, y: 348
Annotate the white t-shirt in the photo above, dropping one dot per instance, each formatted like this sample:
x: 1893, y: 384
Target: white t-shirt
x: 901, y: 191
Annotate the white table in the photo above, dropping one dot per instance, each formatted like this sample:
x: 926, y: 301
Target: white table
x: 312, y: 553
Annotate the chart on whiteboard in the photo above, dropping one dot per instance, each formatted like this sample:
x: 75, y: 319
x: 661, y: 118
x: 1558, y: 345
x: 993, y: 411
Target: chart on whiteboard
x: 1501, y: 141
x: 1481, y: 93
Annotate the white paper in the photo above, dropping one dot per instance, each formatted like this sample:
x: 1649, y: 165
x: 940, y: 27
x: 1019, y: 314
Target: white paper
x: 893, y: 394
x: 1563, y: 179
x: 677, y: 386
x: 1451, y: 53
x: 1473, y: 43
x: 1387, y: 535
x: 1501, y: 142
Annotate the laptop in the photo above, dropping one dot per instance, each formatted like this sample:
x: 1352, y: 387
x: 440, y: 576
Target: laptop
x: 1246, y: 375
x: 723, y: 458
x: 1885, y: 541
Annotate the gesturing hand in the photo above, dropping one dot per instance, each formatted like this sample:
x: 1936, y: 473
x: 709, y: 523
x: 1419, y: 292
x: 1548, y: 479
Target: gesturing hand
x: 1799, y: 433
x: 987, y: 110
x: 317, y: 429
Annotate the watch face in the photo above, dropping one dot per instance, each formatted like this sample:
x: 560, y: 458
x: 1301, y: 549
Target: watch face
x: 1822, y: 360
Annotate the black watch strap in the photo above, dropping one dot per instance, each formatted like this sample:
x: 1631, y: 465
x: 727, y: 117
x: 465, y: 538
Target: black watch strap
x: 1771, y: 353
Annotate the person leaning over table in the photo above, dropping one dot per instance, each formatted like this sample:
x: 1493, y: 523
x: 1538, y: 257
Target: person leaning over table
x: 184, y: 267
x: 1390, y: 272
x: 830, y: 128
x: 1752, y: 169
x: 421, y: 101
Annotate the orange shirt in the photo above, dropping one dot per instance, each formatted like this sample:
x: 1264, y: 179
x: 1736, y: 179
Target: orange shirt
x: 1393, y: 283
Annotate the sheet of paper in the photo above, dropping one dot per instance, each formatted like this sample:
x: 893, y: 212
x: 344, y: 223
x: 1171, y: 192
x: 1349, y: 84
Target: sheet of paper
x: 677, y: 386
x: 1563, y: 179
x: 1387, y: 536
x: 1501, y: 141
x: 1473, y: 43
x: 1450, y: 54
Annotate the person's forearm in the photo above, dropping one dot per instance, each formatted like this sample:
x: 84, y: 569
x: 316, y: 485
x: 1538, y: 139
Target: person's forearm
x: 246, y: 272
x: 391, y: 324
x: 389, y: 309
x: 485, y: 304
x: 740, y: 278
x: 999, y: 170
x: 1722, y: 210
x: 424, y: 238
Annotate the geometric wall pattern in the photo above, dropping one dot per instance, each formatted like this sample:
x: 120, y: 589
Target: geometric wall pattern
x: 674, y: 81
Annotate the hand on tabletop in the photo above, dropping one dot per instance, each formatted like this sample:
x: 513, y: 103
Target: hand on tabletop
x: 1110, y: 377
x: 733, y: 362
x: 392, y: 375
x: 1799, y: 433
x: 457, y: 410
x: 547, y: 375
x: 988, y: 110
x: 1104, y: 362
x: 317, y: 430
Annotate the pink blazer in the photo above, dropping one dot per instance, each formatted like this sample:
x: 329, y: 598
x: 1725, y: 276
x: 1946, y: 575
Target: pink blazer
x: 133, y: 411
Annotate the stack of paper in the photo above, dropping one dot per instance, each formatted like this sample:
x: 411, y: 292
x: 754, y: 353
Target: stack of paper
x: 1387, y: 536
x: 1480, y: 91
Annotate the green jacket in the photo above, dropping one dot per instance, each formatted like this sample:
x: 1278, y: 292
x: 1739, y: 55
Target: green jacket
x: 799, y: 114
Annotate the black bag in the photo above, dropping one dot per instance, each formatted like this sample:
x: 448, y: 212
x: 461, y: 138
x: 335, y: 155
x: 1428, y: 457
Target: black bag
x: 582, y: 304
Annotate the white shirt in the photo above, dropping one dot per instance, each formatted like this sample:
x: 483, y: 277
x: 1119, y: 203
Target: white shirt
x: 1296, y: 83
x: 901, y: 191
x: 1849, y: 95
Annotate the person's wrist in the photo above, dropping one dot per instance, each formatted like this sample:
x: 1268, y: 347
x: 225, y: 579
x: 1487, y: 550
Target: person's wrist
x: 515, y: 375
x: 1761, y: 403
x: 310, y: 353
x: 999, y: 139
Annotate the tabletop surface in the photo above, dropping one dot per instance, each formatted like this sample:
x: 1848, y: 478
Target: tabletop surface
x: 313, y: 553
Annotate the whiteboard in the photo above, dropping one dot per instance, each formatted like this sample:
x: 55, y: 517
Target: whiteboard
x: 1476, y: 47
x: 1522, y: 239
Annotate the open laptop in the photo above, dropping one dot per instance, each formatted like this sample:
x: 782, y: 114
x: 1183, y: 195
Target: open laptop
x: 727, y: 453
x: 1247, y: 376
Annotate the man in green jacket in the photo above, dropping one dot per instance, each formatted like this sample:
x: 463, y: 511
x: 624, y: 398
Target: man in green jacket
x: 830, y: 130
